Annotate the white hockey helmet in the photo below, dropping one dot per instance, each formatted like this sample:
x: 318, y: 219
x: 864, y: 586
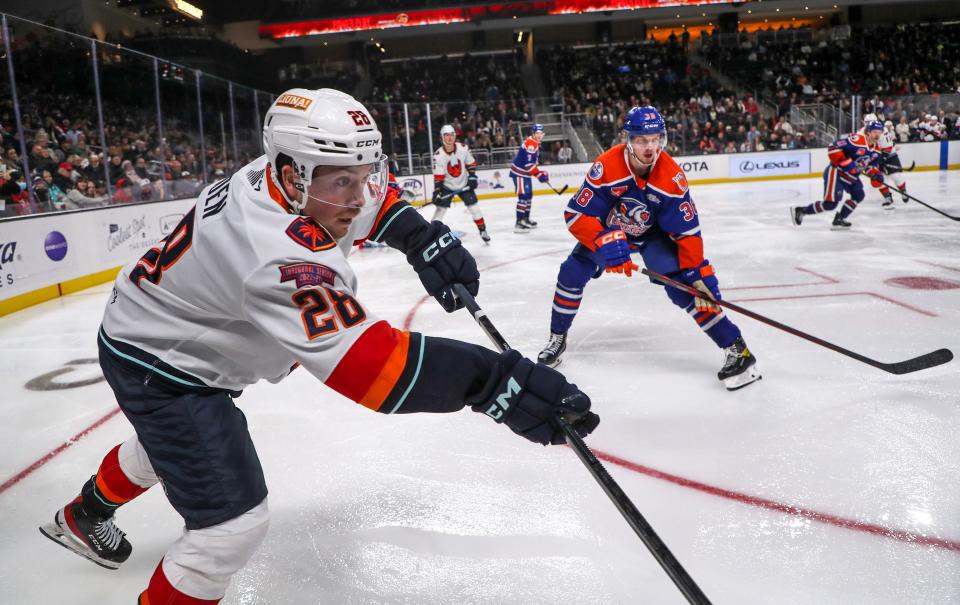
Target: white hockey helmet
x: 323, y: 127
x: 870, y: 117
x: 447, y: 129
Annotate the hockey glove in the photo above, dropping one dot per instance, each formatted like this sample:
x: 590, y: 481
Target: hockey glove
x: 876, y: 177
x: 438, y: 195
x: 613, y: 247
x: 472, y: 181
x: 543, y: 176
x: 441, y: 261
x: 530, y: 398
x: 703, y: 279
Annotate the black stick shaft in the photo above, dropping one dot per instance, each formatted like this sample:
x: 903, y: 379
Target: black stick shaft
x: 928, y: 360
x: 937, y: 210
x: 640, y: 526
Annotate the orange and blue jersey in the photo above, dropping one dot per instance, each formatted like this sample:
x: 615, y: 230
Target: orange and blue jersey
x: 527, y: 158
x: 852, y: 155
x: 613, y: 197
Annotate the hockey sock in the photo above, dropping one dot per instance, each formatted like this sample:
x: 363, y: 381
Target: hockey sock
x: 523, y: 209
x: 566, y: 303
x: 716, y: 324
x: 848, y: 207
x: 438, y: 213
x: 110, y: 487
x: 481, y: 225
x: 818, y: 207
x: 161, y: 592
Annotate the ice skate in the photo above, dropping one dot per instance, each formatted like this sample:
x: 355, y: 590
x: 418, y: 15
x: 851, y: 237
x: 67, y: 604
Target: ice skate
x: 550, y: 355
x: 740, y: 366
x: 485, y: 236
x: 887, y: 202
x: 796, y: 215
x: 839, y: 224
x: 530, y: 223
x: 88, y: 534
x: 521, y: 227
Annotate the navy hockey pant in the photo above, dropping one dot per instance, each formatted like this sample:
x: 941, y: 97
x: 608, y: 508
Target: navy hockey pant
x: 660, y: 255
x: 196, y: 439
x: 834, y: 186
x: 523, y: 185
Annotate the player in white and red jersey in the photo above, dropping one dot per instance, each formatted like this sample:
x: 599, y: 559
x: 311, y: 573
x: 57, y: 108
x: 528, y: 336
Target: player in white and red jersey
x: 889, y: 160
x: 253, y: 282
x: 455, y: 174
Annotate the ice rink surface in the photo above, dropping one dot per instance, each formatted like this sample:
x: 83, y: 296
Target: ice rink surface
x: 828, y: 482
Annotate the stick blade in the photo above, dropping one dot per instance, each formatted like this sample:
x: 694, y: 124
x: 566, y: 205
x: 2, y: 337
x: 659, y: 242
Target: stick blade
x: 930, y: 360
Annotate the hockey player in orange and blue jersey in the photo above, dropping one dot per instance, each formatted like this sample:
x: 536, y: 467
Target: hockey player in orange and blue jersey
x: 524, y: 167
x: 636, y: 199
x: 856, y: 153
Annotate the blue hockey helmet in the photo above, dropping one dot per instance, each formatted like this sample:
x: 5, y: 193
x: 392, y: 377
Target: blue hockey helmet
x: 644, y: 120
x: 536, y: 128
x: 873, y: 125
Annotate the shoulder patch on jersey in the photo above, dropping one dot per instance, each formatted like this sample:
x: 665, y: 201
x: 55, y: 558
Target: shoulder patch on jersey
x: 596, y: 171
x: 307, y: 274
x: 681, y: 180
x: 618, y: 191
x: 310, y: 234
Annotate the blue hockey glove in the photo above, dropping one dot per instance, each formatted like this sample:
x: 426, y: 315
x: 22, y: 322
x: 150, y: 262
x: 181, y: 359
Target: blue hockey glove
x: 472, y: 181
x: 530, y: 398
x: 703, y: 279
x: 543, y: 176
x: 613, y: 247
x: 441, y: 261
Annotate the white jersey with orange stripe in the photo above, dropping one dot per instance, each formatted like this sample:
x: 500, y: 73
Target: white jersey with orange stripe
x: 452, y: 169
x: 242, y: 289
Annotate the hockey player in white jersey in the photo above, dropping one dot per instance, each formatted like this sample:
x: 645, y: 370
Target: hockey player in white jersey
x: 253, y: 282
x: 889, y: 162
x: 455, y: 174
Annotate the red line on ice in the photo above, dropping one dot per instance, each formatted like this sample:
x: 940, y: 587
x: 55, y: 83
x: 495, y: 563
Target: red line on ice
x: 824, y: 280
x: 55, y: 452
x: 870, y: 528
x: 873, y: 294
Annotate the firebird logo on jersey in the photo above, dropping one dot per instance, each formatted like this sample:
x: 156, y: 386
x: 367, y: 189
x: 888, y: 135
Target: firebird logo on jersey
x: 618, y: 191
x: 309, y: 234
x: 307, y: 274
x: 681, y: 181
x: 596, y: 171
x: 630, y: 216
x: 294, y: 101
x: 455, y: 171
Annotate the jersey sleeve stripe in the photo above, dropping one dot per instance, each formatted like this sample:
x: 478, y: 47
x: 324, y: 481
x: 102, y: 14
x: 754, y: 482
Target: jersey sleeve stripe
x: 386, y: 218
x: 370, y: 359
x: 389, y: 374
x: 690, y: 251
x: 586, y: 230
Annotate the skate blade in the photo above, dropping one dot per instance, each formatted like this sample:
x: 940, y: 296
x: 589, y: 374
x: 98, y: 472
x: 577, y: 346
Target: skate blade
x: 56, y: 533
x: 521, y: 231
x: 551, y: 365
x: 839, y: 228
x: 793, y: 217
x: 751, y: 375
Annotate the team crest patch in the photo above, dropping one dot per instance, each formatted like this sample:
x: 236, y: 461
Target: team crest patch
x: 596, y: 171
x: 307, y: 274
x: 681, y: 180
x: 630, y: 216
x: 309, y: 234
x: 294, y: 101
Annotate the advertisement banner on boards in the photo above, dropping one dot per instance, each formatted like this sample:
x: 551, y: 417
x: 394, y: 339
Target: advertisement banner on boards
x: 769, y: 164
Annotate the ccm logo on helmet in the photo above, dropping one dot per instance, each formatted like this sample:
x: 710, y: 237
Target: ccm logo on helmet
x: 370, y: 143
x: 434, y: 249
x: 294, y: 101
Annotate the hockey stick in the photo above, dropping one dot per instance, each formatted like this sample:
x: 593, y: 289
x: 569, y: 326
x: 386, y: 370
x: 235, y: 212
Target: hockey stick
x: 643, y: 529
x: 928, y: 360
x: 913, y: 165
x: 558, y: 191
x: 938, y: 211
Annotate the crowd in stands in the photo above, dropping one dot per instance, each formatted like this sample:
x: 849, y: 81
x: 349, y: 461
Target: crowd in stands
x: 489, y: 120
x: 66, y: 165
x: 877, y: 63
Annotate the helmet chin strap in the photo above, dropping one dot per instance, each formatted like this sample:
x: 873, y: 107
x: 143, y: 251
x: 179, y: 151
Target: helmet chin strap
x: 294, y: 205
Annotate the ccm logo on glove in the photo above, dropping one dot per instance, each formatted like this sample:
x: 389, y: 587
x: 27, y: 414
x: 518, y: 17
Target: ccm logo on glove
x: 502, y: 403
x: 431, y: 251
